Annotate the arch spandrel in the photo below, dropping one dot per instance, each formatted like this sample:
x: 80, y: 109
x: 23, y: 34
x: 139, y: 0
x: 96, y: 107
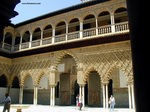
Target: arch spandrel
x: 12, y: 78
x: 39, y: 76
x: 24, y: 75
x: 5, y: 71
x: 61, y: 55
x: 87, y: 72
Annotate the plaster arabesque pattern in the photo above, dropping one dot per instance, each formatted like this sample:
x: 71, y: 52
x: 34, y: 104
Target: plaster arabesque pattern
x: 100, y: 58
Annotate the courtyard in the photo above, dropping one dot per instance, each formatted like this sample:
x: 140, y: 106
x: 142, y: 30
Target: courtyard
x: 46, y: 108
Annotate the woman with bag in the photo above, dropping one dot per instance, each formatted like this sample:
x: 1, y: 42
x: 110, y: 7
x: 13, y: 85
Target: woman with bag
x: 112, y: 103
x: 80, y: 102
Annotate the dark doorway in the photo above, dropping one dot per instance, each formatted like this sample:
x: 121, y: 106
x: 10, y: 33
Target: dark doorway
x: 110, y: 88
x: 65, y: 98
x: 94, y: 98
x: 76, y: 91
x: 15, y: 83
x: 3, y: 81
x: 86, y: 93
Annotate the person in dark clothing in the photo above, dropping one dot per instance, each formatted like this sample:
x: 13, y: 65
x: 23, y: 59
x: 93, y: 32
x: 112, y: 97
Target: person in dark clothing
x: 77, y: 100
x: 7, y: 102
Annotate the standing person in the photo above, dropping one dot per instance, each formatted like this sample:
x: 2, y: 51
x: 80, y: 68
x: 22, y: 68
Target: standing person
x: 112, y: 103
x: 80, y: 102
x: 77, y: 101
x: 7, y: 102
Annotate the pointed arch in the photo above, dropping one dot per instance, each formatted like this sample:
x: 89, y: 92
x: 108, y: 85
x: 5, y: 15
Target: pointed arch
x: 113, y: 68
x: 14, y: 77
x: 3, y: 80
x: 89, y: 69
x: 73, y: 82
x: 39, y: 76
x: 15, y: 82
x: 24, y: 76
x: 62, y: 54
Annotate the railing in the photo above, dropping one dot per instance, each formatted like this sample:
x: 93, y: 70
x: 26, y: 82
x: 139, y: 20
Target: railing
x: 35, y: 43
x: 73, y: 36
x: 25, y: 45
x: 47, y: 40
x: 89, y: 32
x: 104, y: 30
x: 7, y: 46
x: 16, y: 47
x: 121, y: 26
x: 60, y: 38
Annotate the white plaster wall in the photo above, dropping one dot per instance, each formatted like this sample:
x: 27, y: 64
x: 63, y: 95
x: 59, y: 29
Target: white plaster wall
x: 2, y: 94
x: 123, y: 80
x: 43, y: 82
x: 28, y: 83
x: 61, y: 67
x: 14, y: 94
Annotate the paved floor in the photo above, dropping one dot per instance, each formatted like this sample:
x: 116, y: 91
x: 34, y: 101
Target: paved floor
x: 44, y: 108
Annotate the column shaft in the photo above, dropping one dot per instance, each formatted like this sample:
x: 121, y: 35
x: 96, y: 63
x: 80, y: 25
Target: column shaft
x: 21, y: 95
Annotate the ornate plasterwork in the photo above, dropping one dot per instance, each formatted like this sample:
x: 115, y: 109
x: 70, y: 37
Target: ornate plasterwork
x: 62, y: 54
x: 104, y: 63
x: 100, y: 58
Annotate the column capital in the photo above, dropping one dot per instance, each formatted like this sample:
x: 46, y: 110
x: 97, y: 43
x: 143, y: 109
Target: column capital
x: 35, y: 85
x: 130, y: 83
x: 79, y: 69
x: 9, y: 85
x: 21, y: 85
x: 53, y: 85
x: 53, y: 69
x: 82, y: 84
x: 105, y: 82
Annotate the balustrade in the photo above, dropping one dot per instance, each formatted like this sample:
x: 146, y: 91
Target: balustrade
x: 119, y: 27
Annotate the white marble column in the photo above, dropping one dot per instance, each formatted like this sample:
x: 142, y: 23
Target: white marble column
x: 83, y: 96
x: 104, y: 96
x: 66, y: 32
x: 96, y: 26
x: 21, y: 95
x: 30, y: 41
x: 52, y: 79
x: 20, y: 43
x: 53, y: 96
x: 81, y: 29
x: 53, y: 35
x: 112, y: 22
x: 132, y: 92
x: 41, y: 37
x: 129, y: 95
x: 80, y: 90
x: 35, y: 94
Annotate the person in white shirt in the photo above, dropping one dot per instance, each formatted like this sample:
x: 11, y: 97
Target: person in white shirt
x: 7, y: 102
x: 112, y: 103
x: 80, y: 102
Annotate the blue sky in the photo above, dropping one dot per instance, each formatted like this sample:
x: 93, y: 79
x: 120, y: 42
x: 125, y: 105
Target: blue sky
x: 29, y: 9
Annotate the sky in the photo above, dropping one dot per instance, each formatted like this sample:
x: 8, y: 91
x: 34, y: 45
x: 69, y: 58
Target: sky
x: 29, y: 9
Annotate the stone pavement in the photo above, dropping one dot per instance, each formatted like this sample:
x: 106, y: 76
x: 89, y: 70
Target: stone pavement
x: 46, y: 108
